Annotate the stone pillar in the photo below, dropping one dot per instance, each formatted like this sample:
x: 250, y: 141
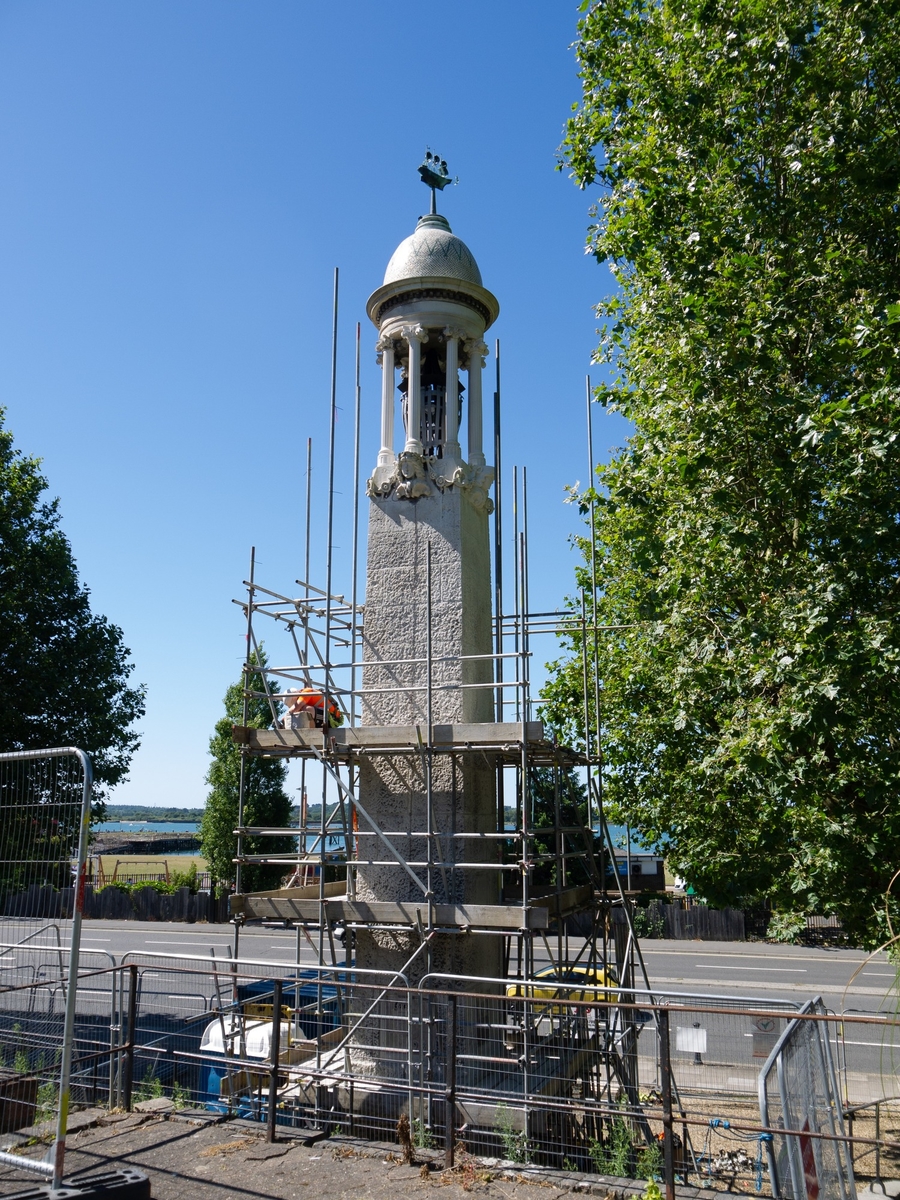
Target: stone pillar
x: 452, y: 448
x: 476, y: 349
x: 447, y: 528
x: 385, y: 348
x: 415, y: 335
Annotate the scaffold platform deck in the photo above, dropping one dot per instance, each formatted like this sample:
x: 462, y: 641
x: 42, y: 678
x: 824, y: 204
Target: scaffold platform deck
x: 304, y: 905
x: 504, y: 740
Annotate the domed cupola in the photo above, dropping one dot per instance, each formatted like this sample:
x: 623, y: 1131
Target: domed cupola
x: 431, y: 313
x: 432, y: 251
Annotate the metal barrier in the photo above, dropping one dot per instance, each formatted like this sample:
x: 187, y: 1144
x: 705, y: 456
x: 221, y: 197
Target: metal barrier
x: 798, y: 1093
x: 567, y: 1076
x: 203, y: 1032
x: 45, y: 812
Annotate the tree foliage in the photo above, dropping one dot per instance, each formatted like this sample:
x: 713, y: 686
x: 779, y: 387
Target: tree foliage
x: 63, y: 670
x: 748, y: 157
x: 265, y: 801
x: 558, y: 800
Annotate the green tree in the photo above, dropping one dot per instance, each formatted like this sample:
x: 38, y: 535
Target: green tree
x: 265, y: 801
x: 63, y: 670
x: 748, y: 156
x: 559, y: 800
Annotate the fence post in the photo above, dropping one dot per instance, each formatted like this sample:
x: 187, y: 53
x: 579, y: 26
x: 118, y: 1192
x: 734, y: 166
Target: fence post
x: 450, y: 1092
x: 273, y: 1073
x: 665, y: 1070
x: 128, y: 1068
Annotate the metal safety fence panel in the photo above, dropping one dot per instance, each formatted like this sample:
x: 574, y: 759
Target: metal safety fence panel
x: 868, y: 1065
x: 718, y: 1043
x: 567, y: 1077
x: 798, y: 1092
x: 541, y: 1074
x: 205, y: 1034
x: 868, y: 1058
x: 33, y: 998
x: 45, y: 807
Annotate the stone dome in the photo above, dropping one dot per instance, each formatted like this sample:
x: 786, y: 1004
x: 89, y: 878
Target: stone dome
x: 433, y: 251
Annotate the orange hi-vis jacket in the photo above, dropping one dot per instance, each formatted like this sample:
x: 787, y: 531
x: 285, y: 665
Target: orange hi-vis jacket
x: 313, y: 698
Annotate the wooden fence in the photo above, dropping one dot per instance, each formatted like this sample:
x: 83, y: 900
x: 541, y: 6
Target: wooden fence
x: 112, y: 904
x: 687, y: 923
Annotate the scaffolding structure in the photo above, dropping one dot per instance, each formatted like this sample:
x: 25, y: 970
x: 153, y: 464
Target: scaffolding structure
x: 554, y: 863
x: 559, y: 928
x: 346, y: 836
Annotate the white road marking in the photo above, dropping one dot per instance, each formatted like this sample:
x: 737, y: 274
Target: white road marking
x: 855, y: 962
x: 774, y: 970
x: 227, y: 945
x: 186, y: 933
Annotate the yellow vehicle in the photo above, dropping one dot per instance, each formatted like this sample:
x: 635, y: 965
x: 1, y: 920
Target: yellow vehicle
x: 555, y: 983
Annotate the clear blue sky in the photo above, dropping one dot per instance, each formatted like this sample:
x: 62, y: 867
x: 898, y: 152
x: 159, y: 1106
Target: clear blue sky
x: 178, y: 181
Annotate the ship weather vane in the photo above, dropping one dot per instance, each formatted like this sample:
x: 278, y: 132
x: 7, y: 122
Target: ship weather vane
x: 435, y: 175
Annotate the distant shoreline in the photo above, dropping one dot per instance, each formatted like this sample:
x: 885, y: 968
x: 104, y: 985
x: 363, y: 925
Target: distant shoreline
x: 175, y: 814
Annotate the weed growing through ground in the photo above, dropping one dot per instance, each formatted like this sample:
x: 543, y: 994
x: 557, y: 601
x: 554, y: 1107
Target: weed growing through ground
x: 649, y: 1163
x: 515, y: 1141
x: 150, y: 1088
x: 46, y: 1102
x: 614, y: 1156
x: 423, y: 1139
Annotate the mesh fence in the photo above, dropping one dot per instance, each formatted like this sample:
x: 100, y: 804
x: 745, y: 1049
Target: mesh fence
x: 44, y: 817
x: 562, y: 1076
x: 799, y: 1092
x: 204, y: 1032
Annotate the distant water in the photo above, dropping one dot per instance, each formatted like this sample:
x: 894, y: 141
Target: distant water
x: 148, y: 827
x: 331, y: 842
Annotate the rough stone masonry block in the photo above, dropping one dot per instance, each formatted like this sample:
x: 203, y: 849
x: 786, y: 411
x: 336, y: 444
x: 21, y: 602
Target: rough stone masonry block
x: 393, y: 789
x: 396, y: 620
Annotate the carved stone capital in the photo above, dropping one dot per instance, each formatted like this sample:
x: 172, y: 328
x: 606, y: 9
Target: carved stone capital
x: 475, y: 347
x: 477, y: 485
x: 383, y: 343
x: 453, y: 331
x: 417, y: 332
